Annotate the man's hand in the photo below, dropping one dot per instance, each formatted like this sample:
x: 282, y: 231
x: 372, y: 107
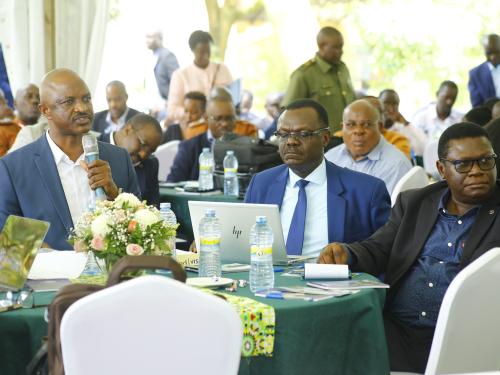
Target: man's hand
x: 99, y: 174
x: 333, y: 253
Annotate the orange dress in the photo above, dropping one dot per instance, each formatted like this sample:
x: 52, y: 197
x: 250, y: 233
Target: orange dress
x: 8, y: 133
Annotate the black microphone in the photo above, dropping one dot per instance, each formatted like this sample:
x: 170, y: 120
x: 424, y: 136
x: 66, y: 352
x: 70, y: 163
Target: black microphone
x: 91, y: 149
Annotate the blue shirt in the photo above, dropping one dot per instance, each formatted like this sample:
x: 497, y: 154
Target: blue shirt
x: 385, y: 162
x: 422, y: 291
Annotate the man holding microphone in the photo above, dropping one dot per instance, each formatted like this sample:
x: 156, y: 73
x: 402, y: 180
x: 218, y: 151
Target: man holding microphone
x: 49, y: 178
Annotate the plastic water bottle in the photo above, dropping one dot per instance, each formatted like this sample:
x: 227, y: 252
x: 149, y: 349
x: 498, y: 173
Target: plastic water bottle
x: 210, y: 233
x: 261, y: 256
x: 231, y: 187
x: 168, y: 217
x: 206, y: 176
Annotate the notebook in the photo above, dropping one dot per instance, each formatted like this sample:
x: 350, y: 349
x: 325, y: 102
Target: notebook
x: 236, y: 221
x: 20, y: 239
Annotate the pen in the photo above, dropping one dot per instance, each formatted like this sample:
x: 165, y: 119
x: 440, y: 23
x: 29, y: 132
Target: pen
x: 279, y: 269
x: 281, y: 295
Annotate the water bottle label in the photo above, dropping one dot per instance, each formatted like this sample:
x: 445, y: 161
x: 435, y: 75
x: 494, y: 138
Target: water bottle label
x: 256, y: 250
x: 205, y: 167
x: 210, y: 241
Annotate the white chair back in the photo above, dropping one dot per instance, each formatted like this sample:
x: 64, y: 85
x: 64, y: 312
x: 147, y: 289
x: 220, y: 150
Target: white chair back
x: 166, y: 154
x: 430, y: 157
x: 413, y: 179
x: 151, y: 325
x: 467, y: 336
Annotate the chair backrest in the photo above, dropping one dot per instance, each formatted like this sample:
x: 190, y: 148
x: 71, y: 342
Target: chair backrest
x: 413, y: 179
x: 166, y: 154
x: 430, y: 157
x: 467, y: 336
x: 151, y: 325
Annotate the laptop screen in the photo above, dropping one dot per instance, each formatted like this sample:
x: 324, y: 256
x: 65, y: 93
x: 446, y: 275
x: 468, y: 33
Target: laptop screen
x: 236, y: 221
x: 20, y: 240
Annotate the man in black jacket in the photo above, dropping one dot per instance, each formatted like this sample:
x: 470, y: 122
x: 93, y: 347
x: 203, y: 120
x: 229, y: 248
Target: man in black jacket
x: 431, y: 235
x: 140, y: 137
x: 117, y: 114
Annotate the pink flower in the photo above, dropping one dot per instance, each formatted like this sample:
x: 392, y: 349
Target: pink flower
x: 131, y: 226
x: 134, y: 249
x: 80, y: 246
x: 97, y: 243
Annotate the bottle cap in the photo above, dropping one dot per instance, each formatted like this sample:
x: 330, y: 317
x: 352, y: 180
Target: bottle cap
x: 165, y: 205
x: 229, y: 152
x: 206, y: 149
x: 210, y: 212
x: 260, y: 219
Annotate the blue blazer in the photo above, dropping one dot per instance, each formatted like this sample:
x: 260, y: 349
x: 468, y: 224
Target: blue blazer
x: 186, y: 165
x: 30, y: 186
x: 481, y: 86
x: 358, y: 204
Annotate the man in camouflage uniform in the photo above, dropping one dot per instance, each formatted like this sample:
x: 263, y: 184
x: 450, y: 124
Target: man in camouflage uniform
x: 324, y: 78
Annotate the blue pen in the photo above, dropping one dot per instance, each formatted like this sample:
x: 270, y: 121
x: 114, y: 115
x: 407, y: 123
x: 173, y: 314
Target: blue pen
x: 279, y: 269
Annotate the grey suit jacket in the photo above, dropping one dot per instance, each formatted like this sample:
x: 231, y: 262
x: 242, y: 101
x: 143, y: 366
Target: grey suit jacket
x: 165, y: 67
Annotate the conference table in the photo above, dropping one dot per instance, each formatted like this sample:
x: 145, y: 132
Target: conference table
x: 179, y: 204
x: 341, y: 335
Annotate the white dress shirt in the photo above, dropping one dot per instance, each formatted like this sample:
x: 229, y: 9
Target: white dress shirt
x: 316, y: 226
x: 74, y: 181
x: 495, y: 75
x: 429, y: 122
x: 115, y: 126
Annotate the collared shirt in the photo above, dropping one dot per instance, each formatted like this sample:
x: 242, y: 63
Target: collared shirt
x: 416, y: 136
x: 385, y: 162
x: 115, y: 126
x: 495, y: 75
x: 74, y: 181
x: 112, y: 138
x: 429, y: 122
x: 422, y: 291
x: 316, y: 226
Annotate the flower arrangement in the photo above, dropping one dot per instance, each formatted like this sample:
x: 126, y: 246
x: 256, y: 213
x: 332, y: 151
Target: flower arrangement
x: 125, y: 226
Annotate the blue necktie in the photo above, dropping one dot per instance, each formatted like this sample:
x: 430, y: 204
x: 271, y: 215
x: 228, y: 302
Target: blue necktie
x: 295, y: 238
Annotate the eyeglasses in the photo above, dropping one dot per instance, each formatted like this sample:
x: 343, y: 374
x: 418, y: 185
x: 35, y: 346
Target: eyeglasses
x: 228, y: 118
x: 485, y: 163
x: 143, y: 145
x: 302, y: 135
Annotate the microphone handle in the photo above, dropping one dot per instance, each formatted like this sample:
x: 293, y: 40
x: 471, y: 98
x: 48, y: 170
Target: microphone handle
x: 100, y: 194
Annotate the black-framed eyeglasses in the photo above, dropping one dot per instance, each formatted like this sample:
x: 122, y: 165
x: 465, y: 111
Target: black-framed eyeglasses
x: 302, y: 135
x: 144, y: 146
x: 485, y: 163
x: 228, y: 118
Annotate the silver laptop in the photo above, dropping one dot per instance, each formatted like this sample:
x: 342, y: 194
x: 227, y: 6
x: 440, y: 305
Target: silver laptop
x: 20, y: 240
x: 236, y: 221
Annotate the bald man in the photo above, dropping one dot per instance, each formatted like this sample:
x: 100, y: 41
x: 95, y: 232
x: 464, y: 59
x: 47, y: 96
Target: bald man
x: 365, y: 149
x: 324, y: 78
x: 117, y: 114
x: 26, y: 104
x: 484, y: 79
x: 49, y: 179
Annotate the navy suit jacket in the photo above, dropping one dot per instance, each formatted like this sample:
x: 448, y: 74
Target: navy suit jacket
x: 186, y: 166
x: 481, y: 86
x: 30, y: 186
x: 147, y: 176
x: 99, y: 124
x: 358, y: 204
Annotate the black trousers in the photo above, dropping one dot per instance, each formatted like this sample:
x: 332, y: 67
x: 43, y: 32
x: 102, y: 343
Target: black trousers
x: 408, y: 346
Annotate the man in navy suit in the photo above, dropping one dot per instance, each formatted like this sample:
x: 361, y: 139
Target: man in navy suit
x: 339, y: 203
x: 117, y: 114
x: 48, y: 179
x: 221, y: 117
x: 484, y: 80
x: 141, y: 136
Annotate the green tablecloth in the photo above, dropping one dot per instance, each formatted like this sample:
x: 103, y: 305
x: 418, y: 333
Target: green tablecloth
x: 179, y: 202
x: 342, y: 335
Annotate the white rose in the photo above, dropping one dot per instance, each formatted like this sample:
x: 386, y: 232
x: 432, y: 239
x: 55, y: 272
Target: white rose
x: 100, y: 225
x: 128, y: 198
x: 146, y: 217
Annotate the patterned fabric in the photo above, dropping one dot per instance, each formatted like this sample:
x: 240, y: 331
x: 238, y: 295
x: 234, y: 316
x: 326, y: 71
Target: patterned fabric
x: 258, y: 321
